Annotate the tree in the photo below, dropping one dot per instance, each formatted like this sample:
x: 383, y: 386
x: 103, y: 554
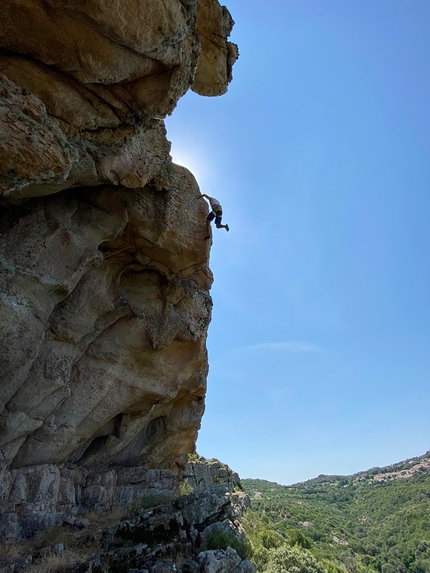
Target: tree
x: 270, y: 538
x: 296, y: 537
x: 293, y: 560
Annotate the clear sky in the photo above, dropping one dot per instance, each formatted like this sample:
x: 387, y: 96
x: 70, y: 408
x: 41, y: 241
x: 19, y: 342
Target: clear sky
x: 319, y: 346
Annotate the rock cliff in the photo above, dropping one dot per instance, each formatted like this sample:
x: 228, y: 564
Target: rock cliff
x: 104, y: 278
x: 197, y: 532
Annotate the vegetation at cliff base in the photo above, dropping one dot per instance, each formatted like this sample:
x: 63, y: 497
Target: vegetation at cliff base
x: 375, y: 521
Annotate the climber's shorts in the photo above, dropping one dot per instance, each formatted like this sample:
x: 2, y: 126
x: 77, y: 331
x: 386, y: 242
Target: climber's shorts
x: 217, y: 215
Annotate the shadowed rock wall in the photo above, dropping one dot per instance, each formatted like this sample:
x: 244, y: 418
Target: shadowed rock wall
x: 158, y: 532
x: 104, y: 278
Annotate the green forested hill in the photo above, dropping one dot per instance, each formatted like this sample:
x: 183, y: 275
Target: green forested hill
x: 372, y: 521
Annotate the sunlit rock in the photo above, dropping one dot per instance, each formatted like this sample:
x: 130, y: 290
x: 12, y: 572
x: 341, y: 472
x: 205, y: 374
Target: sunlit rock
x: 104, y: 278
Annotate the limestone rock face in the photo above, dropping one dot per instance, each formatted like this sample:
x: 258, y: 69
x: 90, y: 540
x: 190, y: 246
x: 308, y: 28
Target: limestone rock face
x: 147, y: 524
x: 105, y: 309
x: 104, y: 275
x: 214, y: 68
x: 101, y: 70
x: 53, y: 495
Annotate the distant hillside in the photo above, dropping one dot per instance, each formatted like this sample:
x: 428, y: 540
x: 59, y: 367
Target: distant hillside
x: 377, y: 520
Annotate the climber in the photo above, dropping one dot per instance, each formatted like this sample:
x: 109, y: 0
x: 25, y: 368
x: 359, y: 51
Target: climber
x: 216, y: 214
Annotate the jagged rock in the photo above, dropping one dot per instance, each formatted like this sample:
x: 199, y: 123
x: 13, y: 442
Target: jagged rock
x: 203, y: 475
x: 178, y: 531
x: 53, y: 496
x: 112, y: 58
x: 225, y: 527
x: 32, y: 145
x: 167, y: 536
x: 83, y: 80
x: 59, y: 495
x: 41, y: 159
x: 164, y: 567
x: 224, y: 561
x: 214, y: 68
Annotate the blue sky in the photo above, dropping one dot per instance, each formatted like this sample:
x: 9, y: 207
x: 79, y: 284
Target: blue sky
x: 319, y: 347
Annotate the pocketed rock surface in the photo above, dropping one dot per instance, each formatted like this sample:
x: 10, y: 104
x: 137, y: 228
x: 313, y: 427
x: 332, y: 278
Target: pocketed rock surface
x: 104, y: 278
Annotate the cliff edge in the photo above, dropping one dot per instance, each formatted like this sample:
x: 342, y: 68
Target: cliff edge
x: 104, y: 278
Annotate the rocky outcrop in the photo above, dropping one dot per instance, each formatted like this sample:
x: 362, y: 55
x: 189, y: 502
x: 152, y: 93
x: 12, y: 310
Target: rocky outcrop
x: 104, y: 278
x: 197, y: 532
x: 202, y: 474
x: 88, y: 79
x: 40, y: 498
x: 214, y: 23
x: 106, y: 307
